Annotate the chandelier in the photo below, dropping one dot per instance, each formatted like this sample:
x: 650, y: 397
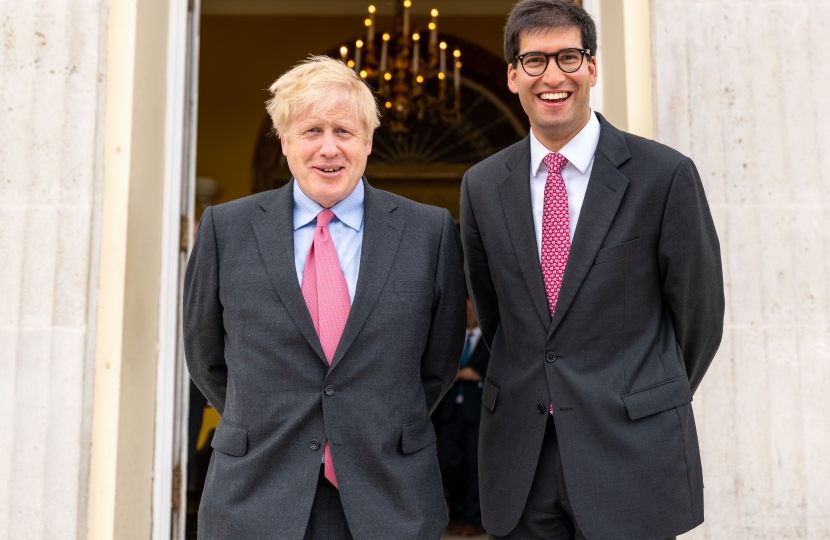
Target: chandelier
x: 410, y: 78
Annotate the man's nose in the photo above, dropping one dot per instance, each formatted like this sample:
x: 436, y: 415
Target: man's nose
x: 329, y: 146
x: 553, y: 76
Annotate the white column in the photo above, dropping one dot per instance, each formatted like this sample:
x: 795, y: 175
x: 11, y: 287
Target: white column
x: 743, y: 87
x: 50, y: 186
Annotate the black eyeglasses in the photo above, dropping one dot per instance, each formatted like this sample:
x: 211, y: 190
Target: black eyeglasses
x: 568, y: 60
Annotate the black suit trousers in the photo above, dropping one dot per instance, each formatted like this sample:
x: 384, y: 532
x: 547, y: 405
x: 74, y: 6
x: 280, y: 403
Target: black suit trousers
x: 548, y: 514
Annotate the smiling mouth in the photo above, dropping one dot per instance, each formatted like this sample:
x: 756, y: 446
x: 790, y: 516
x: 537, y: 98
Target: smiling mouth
x: 554, y: 97
x: 328, y: 169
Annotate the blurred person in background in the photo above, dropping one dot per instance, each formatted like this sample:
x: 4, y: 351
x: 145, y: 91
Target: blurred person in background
x: 458, y: 417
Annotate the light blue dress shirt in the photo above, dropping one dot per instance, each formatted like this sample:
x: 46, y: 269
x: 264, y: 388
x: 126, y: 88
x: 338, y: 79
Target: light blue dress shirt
x: 346, y: 230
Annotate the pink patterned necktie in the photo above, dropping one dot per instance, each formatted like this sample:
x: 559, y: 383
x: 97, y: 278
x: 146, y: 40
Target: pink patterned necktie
x: 556, y: 231
x: 556, y: 228
x: 327, y: 297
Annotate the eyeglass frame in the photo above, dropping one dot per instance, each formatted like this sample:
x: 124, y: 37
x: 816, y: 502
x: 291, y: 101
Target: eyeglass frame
x: 583, y: 54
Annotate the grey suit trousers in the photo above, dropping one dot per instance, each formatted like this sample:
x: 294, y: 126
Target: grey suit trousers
x: 327, y: 520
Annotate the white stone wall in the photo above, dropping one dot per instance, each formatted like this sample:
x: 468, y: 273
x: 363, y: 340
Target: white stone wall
x: 50, y: 131
x: 743, y: 87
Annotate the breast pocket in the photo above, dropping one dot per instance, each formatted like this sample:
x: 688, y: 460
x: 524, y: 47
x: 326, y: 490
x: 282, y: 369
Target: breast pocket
x: 414, y: 286
x: 619, y: 251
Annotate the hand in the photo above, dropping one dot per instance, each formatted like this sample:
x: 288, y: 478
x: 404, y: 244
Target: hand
x: 467, y: 374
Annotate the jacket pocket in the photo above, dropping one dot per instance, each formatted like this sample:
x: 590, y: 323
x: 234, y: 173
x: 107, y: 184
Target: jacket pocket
x: 416, y: 435
x: 620, y: 251
x: 230, y: 439
x: 658, y: 398
x: 414, y: 286
x: 489, y: 394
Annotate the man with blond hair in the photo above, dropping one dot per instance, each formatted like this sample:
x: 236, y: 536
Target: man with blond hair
x: 324, y: 320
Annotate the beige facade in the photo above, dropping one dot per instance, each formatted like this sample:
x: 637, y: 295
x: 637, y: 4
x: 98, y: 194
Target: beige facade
x: 86, y: 182
x: 742, y: 87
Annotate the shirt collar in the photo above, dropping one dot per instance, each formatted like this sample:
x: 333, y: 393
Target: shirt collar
x: 349, y: 210
x: 579, y: 151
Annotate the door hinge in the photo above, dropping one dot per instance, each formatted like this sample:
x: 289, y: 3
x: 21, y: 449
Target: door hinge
x: 176, y: 499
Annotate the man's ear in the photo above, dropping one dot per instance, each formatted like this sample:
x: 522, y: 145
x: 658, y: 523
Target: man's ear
x: 593, y: 71
x: 284, y: 145
x: 511, y: 79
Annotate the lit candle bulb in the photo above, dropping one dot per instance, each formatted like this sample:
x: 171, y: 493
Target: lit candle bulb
x: 384, y: 51
x: 370, y: 31
x: 443, y: 63
x: 457, y: 71
x: 344, y: 52
x: 416, y: 52
x: 357, y: 54
x: 406, y: 5
x: 433, y: 29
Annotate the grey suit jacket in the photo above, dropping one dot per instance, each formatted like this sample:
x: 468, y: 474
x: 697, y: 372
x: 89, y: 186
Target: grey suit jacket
x: 638, y: 320
x: 252, y: 349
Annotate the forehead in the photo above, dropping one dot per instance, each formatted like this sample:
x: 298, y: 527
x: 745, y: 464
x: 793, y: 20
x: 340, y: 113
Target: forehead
x: 338, y: 113
x: 550, y: 39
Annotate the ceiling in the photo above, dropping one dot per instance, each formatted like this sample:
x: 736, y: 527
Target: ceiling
x: 352, y: 7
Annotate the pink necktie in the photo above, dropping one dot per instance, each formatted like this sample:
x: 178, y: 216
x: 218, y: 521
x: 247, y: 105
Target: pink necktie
x: 327, y: 297
x: 556, y: 230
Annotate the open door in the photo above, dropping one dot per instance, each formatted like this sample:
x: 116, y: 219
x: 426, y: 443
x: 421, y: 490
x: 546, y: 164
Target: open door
x: 172, y: 381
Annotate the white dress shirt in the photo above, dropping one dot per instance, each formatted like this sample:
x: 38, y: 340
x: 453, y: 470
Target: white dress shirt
x: 474, y: 335
x: 580, y: 154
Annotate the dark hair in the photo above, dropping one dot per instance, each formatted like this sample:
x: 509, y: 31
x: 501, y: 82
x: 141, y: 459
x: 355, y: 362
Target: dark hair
x: 531, y: 16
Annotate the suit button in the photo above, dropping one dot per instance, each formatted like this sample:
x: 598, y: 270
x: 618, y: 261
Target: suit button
x: 550, y: 356
x: 314, y: 445
x: 541, y: 409
x: 329, y: 390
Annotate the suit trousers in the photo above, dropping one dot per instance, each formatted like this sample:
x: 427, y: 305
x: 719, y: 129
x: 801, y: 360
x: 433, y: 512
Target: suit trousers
x: 548, y: 514
x: 458, y: 458
x: 327, y: 520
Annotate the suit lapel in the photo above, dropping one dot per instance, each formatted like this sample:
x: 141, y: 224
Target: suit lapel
x: 382, y: 233
x: 516, y: 202
x: 274, y: 231
x: 606, y: 188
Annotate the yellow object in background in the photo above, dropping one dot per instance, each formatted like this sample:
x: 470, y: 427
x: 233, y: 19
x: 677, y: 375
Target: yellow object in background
x: 210, y: 419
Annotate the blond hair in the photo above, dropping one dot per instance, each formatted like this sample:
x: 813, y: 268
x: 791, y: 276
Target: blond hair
x: 318, y: 84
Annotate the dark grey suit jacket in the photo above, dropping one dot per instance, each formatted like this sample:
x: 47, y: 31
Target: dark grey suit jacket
x: 252, y: 349
x: 638, y: 321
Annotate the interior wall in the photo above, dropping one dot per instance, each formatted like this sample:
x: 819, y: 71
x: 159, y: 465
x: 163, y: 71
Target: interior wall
x: 242, y: 55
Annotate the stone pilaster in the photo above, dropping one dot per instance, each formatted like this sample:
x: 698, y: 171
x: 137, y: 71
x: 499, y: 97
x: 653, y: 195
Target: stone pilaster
x: 50, y: 138
x: 743, y: 88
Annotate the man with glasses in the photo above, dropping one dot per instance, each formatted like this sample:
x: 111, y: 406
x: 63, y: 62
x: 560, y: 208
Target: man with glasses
x: 594, y: 268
